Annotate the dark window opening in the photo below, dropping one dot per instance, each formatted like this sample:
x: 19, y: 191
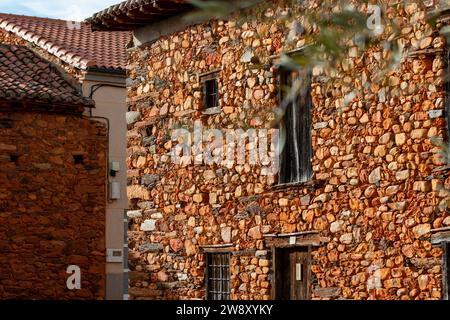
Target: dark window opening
x: 446, y: 270
x: 13, y: 158
x: 218, y: 276
x: 210, y: 86
x: 78, y: 159
x: 295, y: 129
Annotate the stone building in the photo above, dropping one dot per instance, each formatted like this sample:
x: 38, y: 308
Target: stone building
x: 52, y: 182
x: 96, y: 63
x: 356, y: 213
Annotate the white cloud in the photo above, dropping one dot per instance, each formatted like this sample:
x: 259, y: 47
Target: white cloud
x: 75, y: 10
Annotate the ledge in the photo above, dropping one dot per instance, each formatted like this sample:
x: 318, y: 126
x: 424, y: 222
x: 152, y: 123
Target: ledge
x: 217, y: 248
x: 440, y: 235
x: 294, y: 234
x: 296, y: 239
x: 425, y: 52
x: 312, y: 184
x: 445, y: 168
x: 212, y: 111
x: 439, y: 13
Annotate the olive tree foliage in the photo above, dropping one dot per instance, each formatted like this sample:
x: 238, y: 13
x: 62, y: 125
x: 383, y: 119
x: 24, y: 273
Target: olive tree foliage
x: 327, y: 32
x: 330, y: 35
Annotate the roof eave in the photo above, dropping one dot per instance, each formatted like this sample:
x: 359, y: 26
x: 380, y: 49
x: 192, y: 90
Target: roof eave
x: 131, y: 15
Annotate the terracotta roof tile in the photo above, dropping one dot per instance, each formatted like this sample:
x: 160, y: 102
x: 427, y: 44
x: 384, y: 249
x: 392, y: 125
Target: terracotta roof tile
x: 24, y: 76
x: 79, y: 47
x: 131, y: 14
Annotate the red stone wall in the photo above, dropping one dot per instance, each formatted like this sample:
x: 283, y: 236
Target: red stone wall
x: 375, y: 191
x: 52, y: 211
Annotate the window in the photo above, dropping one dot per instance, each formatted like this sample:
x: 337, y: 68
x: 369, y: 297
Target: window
x: 210, y: 86
x: 446, y: 270
x: 295, y: 159
x: 218, y: 276
x: 78, y: 159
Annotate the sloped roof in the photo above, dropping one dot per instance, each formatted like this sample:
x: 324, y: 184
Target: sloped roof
x: 132, y: 14
x: 26, y: 77
x: 79, y: 47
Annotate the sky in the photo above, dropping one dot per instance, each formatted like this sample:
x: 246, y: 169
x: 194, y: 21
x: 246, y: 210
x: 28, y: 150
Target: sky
x: 74, y: 10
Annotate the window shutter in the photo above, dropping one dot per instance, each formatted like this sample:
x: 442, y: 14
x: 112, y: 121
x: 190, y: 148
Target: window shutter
x: 295, y: 164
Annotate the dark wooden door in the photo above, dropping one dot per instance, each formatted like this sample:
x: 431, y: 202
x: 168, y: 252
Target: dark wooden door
x: 291, y: 274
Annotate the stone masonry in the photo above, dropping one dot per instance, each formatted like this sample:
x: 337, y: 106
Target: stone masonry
x: 51, y: 208
x: 376, y: 188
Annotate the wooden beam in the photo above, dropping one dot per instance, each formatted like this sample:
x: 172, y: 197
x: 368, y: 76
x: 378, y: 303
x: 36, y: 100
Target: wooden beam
x: 440, y: 237
x: 440, y: 229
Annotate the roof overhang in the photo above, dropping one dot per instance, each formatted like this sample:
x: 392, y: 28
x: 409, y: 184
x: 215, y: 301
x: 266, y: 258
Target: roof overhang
x: 133, y: 14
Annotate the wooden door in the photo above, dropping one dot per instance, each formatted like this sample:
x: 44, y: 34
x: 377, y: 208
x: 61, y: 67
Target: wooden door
x: 291, y: 274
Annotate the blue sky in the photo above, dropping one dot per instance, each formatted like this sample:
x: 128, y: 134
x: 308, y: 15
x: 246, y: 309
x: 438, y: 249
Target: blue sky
x: 76, y: 10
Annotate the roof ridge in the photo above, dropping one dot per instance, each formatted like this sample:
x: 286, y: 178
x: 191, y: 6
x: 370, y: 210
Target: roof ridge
x: 37, y: 18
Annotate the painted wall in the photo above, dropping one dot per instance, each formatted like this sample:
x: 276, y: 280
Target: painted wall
x: 110, y: 103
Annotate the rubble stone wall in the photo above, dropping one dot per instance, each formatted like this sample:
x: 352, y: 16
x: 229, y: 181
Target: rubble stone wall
x: 52, y: 206
x: 376, y: 187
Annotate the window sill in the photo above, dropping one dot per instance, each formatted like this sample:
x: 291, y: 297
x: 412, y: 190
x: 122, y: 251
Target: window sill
x: 311, y: 184
x: 212, y: 111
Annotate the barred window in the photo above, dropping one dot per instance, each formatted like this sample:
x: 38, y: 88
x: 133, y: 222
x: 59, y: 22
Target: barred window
x: 218, y: 276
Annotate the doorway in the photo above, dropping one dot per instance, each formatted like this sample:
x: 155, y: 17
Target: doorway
x: 292, y: 273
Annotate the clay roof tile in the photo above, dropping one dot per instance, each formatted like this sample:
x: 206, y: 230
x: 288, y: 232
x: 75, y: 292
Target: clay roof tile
x: 25, y: 76
x: 56, y: 37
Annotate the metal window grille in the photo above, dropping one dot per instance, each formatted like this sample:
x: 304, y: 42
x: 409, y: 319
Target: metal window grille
x: 218, y: 276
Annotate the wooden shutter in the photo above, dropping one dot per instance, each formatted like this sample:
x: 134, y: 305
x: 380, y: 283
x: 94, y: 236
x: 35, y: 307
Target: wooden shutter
x: 295, y: 162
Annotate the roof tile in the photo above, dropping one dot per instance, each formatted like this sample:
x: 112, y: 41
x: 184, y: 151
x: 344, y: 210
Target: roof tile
x: 24, y: 76
x: 81, y: 47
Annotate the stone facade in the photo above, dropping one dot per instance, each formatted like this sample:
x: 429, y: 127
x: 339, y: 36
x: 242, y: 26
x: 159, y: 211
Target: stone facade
x: 52, y: 207
x: 376, y: 188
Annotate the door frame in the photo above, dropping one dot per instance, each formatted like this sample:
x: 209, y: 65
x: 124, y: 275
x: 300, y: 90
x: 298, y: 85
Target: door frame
x: 275, y: 254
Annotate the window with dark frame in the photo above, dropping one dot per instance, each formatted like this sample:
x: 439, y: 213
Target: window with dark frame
x: 446, y: 270
x: 295, y: 158
x: 218, y: 276
x: 210, y: 86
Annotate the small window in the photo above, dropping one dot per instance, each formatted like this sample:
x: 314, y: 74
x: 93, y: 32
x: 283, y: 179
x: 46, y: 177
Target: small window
x: 78, y: 159
x: 218, y: 276
x: 210, y: 85
x: 13, y: 158
x: 295, y: 128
